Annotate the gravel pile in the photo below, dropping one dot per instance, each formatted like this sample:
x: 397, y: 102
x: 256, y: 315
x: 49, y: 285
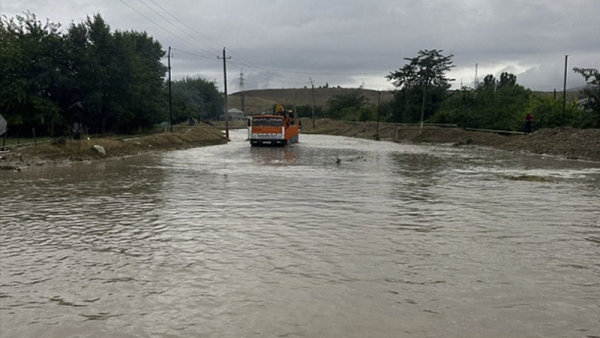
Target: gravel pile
x: 567, y: 142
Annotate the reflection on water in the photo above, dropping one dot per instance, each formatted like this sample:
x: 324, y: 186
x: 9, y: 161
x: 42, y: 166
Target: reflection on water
x: 234, y: 241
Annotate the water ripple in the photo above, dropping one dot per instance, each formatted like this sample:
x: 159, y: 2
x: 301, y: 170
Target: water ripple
x: 237, y: 241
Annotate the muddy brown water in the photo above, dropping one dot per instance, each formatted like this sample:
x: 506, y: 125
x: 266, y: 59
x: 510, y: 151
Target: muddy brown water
x: 233, y: 241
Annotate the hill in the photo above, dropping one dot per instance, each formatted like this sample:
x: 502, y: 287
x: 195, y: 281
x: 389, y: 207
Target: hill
x: 260, y: 100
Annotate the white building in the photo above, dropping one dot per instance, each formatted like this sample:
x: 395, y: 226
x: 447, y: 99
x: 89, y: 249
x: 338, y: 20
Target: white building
x: 235, y: 114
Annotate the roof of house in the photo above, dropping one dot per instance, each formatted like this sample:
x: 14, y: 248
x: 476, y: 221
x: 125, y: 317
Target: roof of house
x: 235, y: 111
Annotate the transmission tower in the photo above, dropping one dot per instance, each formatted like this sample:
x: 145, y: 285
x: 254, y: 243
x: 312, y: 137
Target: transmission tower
x: 242, y: 89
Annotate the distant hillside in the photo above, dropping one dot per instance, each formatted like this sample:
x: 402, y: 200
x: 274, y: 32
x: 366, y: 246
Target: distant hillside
x: 572, y: 93
x: 257, y: 101
x: 261, y: 100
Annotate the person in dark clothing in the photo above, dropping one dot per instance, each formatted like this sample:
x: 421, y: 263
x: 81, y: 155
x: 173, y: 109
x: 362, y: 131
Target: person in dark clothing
x: 76, y: 110
x: 528, y: 122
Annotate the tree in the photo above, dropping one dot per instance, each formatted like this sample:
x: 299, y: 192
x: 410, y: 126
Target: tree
x: 346, y: 106
x: 425, y: 70
x: 506, y: 80
x: 30, y: 71
x: 193, y: 97
x: 495, y: 104
x: 459, y: 108
x: 592, y: 93
x: 548, y: 112
x: 117, y: 76
x: 306, y: 110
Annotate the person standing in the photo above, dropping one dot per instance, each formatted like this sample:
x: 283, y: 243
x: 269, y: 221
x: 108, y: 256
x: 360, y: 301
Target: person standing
x: 528, y: 123
x: 76, y: 111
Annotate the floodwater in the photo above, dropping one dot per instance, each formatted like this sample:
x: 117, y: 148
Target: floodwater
x: 233, y: 241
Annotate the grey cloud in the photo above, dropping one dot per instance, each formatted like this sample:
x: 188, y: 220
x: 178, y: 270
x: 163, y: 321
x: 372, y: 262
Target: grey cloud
x: 282, y: 43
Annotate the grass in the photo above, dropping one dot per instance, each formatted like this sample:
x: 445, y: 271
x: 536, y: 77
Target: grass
x: 12, y: 142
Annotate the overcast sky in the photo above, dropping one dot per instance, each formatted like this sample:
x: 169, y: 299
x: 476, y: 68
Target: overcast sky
x: 283, y: 43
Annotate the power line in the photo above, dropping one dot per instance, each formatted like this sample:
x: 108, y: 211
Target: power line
x: 247, y: 64
x: 183, y: 23
x: 167, y: 20
x: 159, y: 26
x: 202, y: 56
x: 271, y: 72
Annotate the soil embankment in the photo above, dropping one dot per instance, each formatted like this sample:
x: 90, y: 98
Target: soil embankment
x: 67, y: 151
x: 565, y: 142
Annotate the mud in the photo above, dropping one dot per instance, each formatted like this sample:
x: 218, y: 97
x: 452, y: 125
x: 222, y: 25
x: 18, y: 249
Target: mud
x: 569, y: 143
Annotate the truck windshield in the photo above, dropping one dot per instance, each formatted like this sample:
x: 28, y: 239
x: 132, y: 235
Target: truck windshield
x: 267, y: 122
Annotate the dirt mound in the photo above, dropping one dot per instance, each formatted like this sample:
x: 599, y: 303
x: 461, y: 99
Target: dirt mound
x: 567, y: 142
x: 115, y: 147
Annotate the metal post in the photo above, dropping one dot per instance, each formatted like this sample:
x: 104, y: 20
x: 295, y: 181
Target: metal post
x: 423, y: 106
x: 564, y: 91
x: 313, y: 101
x: 378, y: 101
x: 170, y: 104
x: 4, y: 138
x: 225, y: 87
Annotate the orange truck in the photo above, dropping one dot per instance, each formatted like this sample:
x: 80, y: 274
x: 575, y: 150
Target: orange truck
x: 278, y: 129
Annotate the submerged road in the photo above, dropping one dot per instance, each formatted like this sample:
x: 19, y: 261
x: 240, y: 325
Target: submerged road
x: 232, y: 241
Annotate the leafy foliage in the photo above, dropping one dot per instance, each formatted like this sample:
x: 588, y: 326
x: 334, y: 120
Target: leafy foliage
x: 347, y: 106
x: 196, y: 98
x: 118, y: 76
x: 306, y: 111
x: 591, y: 116
x: 495, y: 104
x: 30, y: 75
x: 548, y: 112
x: 422, y: 86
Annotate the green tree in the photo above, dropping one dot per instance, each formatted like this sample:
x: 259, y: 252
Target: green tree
x: 591, y: 118
x: 495, y: 104
x: 306, y: 111
x: 30, y: 71
x: 548, y: 112
x: 140, y: 75
x: 346, y: 106
x: 118, y: 76
x: 424, y: 73
x: 193, y: 97
x: 459, y: 108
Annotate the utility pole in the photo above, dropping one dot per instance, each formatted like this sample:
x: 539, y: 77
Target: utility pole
x: 242, y: 90
x: 170, y: 104
x: 312, y: 83
x: 564, y: 91
x: 378, y: 101
x: 225, y: 85
x: 423, y: 102
x: 475, y: 82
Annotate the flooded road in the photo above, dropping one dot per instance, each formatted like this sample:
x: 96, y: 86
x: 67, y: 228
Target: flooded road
x: 233, y: 241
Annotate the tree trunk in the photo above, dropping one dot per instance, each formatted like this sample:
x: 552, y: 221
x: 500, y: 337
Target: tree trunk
x: 423, y: 104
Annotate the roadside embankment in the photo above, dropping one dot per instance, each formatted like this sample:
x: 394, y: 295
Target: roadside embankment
x: 63, y: 151
x: 565, y: 142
